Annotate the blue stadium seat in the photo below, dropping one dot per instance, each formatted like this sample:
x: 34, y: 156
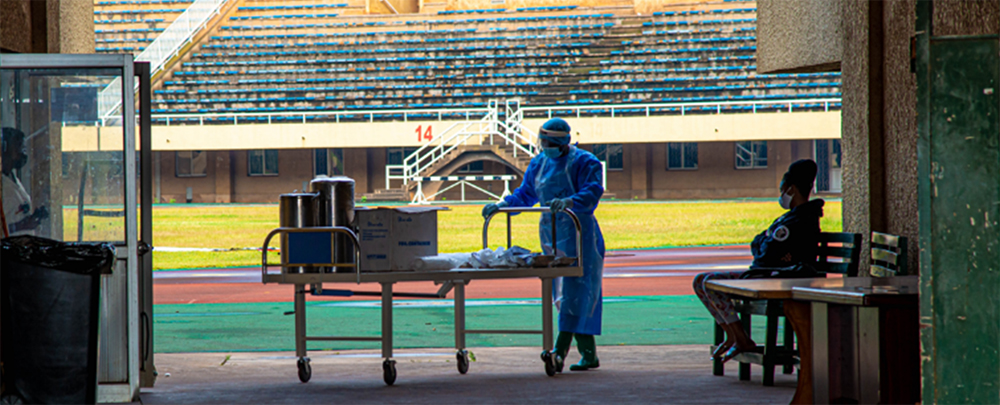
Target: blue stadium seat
x: 710, y: 61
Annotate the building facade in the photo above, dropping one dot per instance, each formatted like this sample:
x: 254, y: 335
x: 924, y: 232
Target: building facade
x: 676, y: 170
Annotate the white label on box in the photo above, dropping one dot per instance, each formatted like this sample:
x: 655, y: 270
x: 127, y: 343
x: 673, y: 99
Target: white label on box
x: 392, y: 238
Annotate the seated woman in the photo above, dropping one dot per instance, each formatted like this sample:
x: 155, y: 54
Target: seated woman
x: 789, y: 243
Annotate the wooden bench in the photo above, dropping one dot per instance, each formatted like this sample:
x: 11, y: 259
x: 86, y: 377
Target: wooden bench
x: 838, y: 253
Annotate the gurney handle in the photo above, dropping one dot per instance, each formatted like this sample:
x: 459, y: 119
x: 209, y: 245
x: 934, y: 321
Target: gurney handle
x: 332, y: 229
x: 514, y: 210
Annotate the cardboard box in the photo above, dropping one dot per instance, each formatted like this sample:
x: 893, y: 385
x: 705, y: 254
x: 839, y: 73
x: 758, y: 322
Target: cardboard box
x: 391, y: 237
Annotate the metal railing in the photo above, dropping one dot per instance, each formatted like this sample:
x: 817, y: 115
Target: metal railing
x: 510, y: 131
x: 513, y: 134
x: 516, y: 131
x: 682, y: 108
x: 336, y: 116
x: 441, y: 114
x: 440, y: 146
x: 165, y: 47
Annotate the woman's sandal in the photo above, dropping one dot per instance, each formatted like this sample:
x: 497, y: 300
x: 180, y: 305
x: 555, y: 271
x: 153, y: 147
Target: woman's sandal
x: 721, y: 349
x: 736, y: 351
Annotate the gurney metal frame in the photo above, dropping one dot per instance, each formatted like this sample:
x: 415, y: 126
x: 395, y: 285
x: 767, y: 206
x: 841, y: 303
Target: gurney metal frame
x: 458, y: 278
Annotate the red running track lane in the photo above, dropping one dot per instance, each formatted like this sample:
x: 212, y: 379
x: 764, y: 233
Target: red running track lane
x: 626, y: 273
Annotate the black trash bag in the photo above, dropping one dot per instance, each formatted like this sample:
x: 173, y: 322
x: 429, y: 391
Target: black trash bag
x: 75, y: 257
x: 50, y: 304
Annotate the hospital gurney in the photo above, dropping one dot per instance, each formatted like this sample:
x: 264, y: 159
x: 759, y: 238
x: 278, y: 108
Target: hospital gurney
x: 314, y: 246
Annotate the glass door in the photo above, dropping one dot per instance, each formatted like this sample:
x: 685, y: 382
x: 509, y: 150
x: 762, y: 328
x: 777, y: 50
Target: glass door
x: 69, y: 174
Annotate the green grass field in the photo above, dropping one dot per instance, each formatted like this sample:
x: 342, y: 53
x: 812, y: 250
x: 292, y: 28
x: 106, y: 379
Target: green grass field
x: 626, y: 225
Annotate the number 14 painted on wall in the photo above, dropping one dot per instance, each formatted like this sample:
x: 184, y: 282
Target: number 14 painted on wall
x: 423, y: 135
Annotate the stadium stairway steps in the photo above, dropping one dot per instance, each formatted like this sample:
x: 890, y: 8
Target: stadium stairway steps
x: 466, y: 154
x: 186, y: 53
x: 386, y: 195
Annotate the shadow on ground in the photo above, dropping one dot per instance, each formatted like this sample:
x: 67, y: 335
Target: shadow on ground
x: 628, y: 374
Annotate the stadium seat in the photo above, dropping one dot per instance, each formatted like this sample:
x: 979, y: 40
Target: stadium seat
x: 287, y: 57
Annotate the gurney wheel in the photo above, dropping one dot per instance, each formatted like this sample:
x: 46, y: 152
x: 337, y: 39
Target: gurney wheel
x: 463, y: 361
x: 305, y: 370
x: 9, y: 399
x: 389, y: 371
x: 550, y: 366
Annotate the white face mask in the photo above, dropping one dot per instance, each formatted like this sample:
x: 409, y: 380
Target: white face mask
x: 785, y: 200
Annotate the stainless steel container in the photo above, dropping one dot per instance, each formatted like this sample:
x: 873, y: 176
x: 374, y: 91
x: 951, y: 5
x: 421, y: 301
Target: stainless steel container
x: 297, y: 210
x: 335, y: 200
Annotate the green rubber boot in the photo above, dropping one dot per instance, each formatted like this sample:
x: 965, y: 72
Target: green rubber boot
x: 563, y: 341
x: 588, y: 349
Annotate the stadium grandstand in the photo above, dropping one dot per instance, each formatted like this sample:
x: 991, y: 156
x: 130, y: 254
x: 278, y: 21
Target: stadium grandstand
x: 263, y: 95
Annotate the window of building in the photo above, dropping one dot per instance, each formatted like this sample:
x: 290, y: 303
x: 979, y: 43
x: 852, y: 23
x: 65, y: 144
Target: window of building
x: 682, y: 156
x: 835, y: 154
x: 67, y: 160
x: 474, y: 167
x: 190, y: 163
x: 262, y: 162
x: 751, y: 154
x: 395, y: 156
x: 328, y: 162
x: 610, y: 154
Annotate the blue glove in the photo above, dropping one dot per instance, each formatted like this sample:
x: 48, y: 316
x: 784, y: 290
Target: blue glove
x: 560, y: 204
x: 491, y: 209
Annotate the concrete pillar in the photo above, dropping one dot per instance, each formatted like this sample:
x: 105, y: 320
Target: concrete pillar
x: 638, y: 167
x: 15, y: 25
x: 236, y: 161
x: 900, y: 122
x: 223, y: 184
x: 779, y: 156
x: 356, y: 167
x: 789, y: 30
x: 375, y: 167
x: 863, y: 82
x: 73, y: 27
x: 47, y: 26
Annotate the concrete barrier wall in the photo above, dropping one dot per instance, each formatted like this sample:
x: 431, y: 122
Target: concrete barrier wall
x: 688, y: 128
x: 703, y: 128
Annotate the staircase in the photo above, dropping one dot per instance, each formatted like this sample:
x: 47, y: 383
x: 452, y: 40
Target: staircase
x: 386, y: 195
x: 464, y: 155
x: 166, y: 47
x: 519, y: 160
x: 461, y: 157
x: 506, y: 142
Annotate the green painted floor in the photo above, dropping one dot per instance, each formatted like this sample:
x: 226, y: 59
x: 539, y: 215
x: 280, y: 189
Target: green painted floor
x: 647, y: 320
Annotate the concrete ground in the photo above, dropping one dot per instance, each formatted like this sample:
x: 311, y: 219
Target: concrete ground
x: 628, y: 374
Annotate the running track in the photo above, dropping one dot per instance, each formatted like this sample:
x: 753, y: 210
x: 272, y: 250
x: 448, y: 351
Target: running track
x: 626, y: 273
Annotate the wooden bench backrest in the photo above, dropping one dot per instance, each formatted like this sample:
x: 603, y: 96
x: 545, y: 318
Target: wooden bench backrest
x: 844, y: 248
x: 888, y: 255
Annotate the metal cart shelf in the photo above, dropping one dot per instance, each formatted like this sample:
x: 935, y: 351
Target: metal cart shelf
x: 456, y: 278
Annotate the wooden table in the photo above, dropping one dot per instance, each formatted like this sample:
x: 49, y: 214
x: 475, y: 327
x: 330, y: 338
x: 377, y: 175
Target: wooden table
x: 865, y: 341
x: 797, y: 312
x: 859, y: 291
x: 771, y: 288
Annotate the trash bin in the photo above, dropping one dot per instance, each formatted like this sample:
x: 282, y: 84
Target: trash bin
x: 50, y: 313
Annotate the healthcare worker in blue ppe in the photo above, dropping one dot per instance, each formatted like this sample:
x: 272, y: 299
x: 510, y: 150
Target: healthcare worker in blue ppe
x: 562, y: 177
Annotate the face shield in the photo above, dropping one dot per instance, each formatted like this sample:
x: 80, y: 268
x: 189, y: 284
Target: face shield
x: 548, y: 138
x: 549, y: 142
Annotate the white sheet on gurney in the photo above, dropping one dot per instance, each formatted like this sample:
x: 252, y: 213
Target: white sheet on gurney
x: 483, y: 259
x: 446, y: 261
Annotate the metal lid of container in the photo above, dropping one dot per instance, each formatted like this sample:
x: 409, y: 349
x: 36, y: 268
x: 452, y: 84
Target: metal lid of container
x: 331, y: 179
x: 298, y: 195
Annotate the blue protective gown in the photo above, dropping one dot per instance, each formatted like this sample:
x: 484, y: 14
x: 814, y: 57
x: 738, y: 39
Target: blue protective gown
x: 576, y: 175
